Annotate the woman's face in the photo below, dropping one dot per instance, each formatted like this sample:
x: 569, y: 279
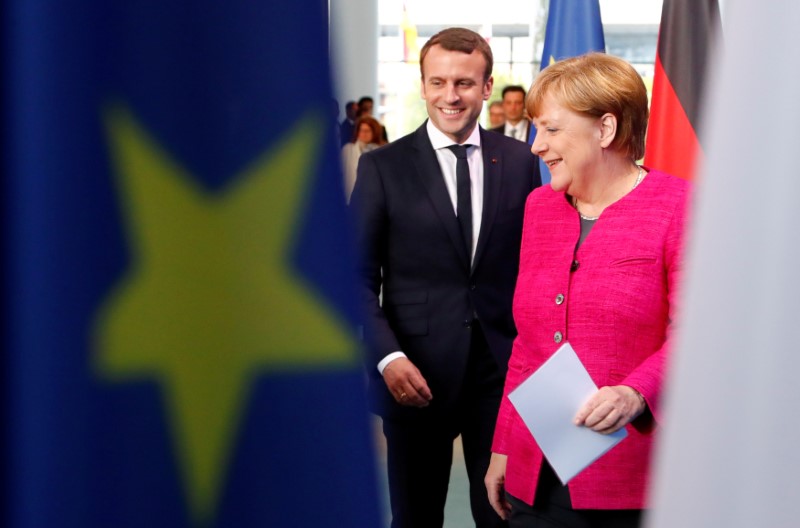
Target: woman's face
x: 364, y: 133
x: 568, y: 142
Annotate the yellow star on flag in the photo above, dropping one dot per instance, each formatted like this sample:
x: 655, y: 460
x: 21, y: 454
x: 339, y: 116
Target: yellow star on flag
x: 210, y: 299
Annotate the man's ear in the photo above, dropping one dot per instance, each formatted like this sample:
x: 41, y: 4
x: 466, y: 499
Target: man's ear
x: 487, y: 88
x: 608, y: 129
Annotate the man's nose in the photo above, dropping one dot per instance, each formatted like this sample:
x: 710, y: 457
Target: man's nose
x: 451, y: 94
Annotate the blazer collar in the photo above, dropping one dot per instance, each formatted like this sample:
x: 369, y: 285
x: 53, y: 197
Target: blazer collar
x: 492, y: 184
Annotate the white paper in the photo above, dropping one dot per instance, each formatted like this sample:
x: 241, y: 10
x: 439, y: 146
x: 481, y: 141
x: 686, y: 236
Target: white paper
x: 549, y: 400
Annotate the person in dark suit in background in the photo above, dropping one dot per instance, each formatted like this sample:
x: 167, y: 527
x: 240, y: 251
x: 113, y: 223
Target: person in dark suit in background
x: 440, y: 221
x: 348, y: 123
x: 517, y: 125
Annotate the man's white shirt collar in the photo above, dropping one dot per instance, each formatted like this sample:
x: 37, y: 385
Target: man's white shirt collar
x: 439, y: 140
x: 519, y: 127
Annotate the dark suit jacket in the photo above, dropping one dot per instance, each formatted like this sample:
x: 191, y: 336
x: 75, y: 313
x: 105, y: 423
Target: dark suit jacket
x: 346, y: 132
x: 502, y: 130
x: 412, y: 248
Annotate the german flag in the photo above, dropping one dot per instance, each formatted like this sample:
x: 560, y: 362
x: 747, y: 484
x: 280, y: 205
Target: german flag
x: 687, y: 32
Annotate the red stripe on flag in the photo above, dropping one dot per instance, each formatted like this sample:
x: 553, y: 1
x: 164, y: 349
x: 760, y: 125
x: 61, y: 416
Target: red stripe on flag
x: 672, y: 144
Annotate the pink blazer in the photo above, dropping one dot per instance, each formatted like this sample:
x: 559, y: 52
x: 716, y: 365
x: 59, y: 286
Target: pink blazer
x: 618, y: 299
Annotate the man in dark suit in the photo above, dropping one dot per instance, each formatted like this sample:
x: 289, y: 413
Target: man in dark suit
x: 440, y: 232
x: 517, y: 125
x: 348, y: 123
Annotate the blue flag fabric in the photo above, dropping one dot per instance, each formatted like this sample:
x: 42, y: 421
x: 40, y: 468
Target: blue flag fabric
x: 574, y: 27
x: 180, y: 313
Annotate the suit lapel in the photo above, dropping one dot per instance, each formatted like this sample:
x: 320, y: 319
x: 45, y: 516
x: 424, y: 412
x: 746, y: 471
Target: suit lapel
x: 429, y: 172
x: 492, y: 182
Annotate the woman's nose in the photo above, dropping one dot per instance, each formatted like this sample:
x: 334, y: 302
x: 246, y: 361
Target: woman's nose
x: 538, y: 145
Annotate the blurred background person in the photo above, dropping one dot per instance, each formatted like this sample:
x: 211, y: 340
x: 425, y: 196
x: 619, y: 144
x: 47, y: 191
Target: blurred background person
x: 348, y: 123
x: 599, y: 268
x: 365, y: 108
x: 366, y: 136
x: 516, y: 124
x: 497, y: 117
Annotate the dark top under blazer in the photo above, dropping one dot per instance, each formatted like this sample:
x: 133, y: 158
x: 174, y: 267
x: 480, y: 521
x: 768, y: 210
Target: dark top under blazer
x: 411, y: 245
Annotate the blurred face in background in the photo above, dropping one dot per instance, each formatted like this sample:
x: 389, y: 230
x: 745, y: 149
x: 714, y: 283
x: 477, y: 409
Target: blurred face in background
x: 365, y: 108
x: 365, y: 134
x: 352, y: 111
x: 497, y: 116
x: 514, y: 107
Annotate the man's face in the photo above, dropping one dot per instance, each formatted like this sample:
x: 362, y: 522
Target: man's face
x: 496, y: 115
x: 366, y: 108
x: 352, y: 110
x: 514, y: 107
x: 454, y: 89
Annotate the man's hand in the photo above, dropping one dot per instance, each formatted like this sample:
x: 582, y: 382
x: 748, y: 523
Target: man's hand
x: 406, y: 383
x: 495, y: 485
x: 611, y: 409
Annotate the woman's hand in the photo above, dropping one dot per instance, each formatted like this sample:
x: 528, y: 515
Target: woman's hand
x: 495, y: 484
x: 610, y: 409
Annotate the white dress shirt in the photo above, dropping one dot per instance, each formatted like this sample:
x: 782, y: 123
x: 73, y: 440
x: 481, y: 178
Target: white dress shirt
x: 517, y: 131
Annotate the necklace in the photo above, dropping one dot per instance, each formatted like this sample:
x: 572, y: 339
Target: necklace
x: 639, y: 178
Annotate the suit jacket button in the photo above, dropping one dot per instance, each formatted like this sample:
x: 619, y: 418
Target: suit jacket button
x: 558, y: 337
x: 467, y: 323
x: 559, y: 298
x: 575, y: 265
x: 472, y: 286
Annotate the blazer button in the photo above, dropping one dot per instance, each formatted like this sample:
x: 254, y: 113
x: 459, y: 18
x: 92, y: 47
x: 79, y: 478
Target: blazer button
x: 575, y: 265
x: 558, y: 337
x: 467, y: 323
x: 472, y: 286
x: 559, y: 298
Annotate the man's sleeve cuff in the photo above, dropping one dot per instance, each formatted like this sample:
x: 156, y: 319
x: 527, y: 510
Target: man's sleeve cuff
x: 388, y: 359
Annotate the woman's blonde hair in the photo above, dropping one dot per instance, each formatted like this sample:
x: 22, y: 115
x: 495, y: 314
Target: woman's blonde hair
x: 595, y: 84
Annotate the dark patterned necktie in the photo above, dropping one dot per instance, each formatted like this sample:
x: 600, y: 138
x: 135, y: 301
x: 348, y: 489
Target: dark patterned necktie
x: 464, y: 200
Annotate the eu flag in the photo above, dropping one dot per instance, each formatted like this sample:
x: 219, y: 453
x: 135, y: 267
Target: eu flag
x: 574, y: 27
x: 179, y: 299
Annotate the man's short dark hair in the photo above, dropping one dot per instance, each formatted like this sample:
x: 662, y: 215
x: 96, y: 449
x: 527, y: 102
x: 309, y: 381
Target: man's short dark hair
x: 459, y: 39
x: 514, y: 88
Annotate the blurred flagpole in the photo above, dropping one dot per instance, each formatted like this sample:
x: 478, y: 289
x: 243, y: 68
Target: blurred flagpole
x: 687, y: 30
x: 573, y: 28
x: 729, y: 451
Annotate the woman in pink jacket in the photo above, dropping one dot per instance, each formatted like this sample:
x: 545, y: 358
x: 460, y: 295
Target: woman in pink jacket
x: 599, y: 268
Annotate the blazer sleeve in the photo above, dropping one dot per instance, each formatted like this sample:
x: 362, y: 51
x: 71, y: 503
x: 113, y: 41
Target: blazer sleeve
x: 648, y: 377
x: 369, y: 204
